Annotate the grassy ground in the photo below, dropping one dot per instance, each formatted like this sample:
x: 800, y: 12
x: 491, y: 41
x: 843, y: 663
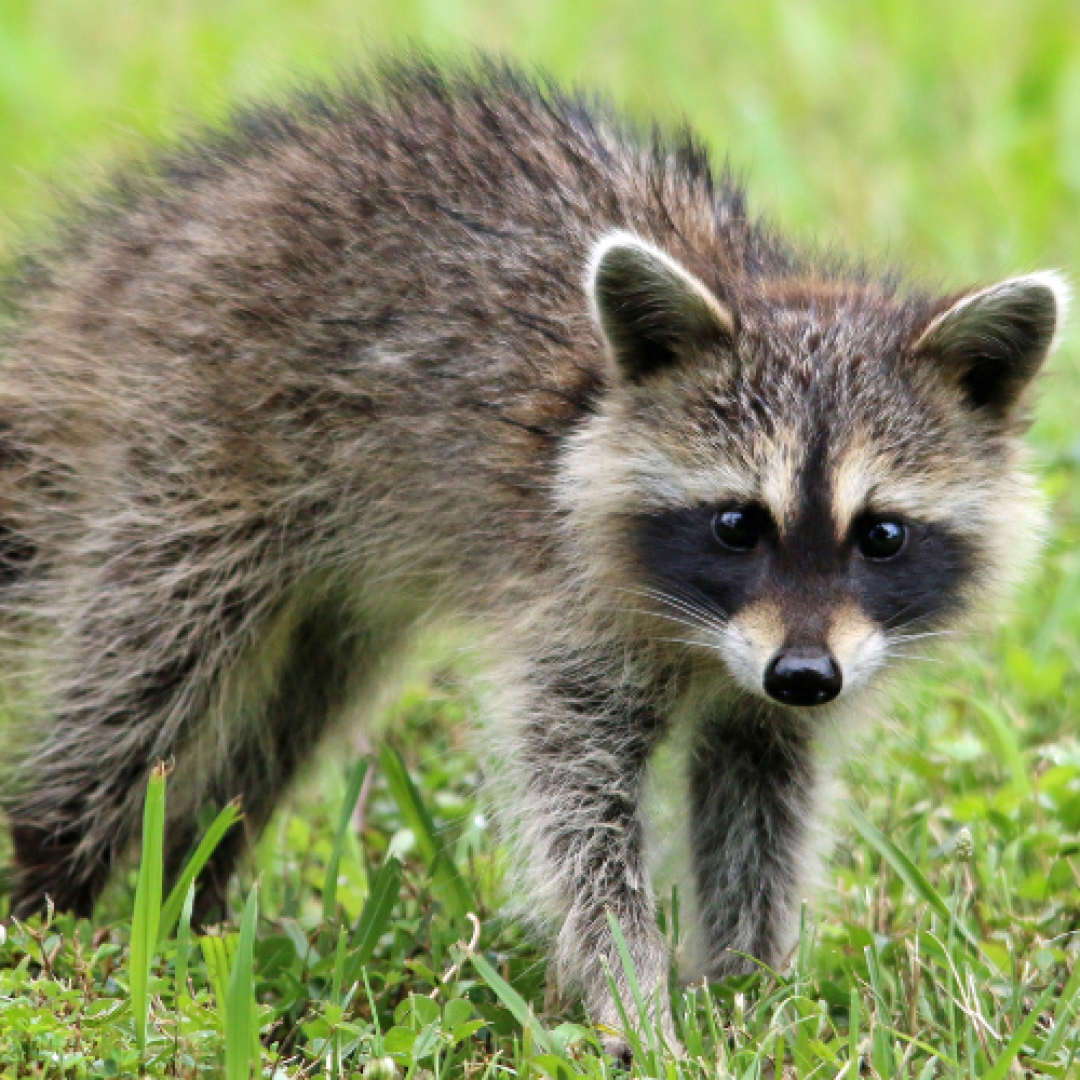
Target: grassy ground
x: 944, y: 943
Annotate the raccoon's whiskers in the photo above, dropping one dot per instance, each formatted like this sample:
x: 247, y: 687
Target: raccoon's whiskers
x: 704, y: 628
x: 699, y: 601
x: 702, y: 617
x: 898, y: 616
x: 901, y: 639
x: 664, y: 615
x: 674, y: 596
x: 685, y: 641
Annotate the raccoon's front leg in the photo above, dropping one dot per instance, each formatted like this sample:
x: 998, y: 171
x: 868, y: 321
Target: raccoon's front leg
x: 752, y: 788
x: 574, y: 770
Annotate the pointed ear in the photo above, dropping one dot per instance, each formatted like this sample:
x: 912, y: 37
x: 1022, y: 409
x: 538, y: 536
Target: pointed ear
x: 651, y: 310
x: 993, y: 342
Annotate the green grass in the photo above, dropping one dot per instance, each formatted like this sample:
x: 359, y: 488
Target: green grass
x: 944, y: 939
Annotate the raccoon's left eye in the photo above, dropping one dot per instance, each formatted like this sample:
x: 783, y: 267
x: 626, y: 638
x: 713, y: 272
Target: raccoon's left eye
x: 880, y: 538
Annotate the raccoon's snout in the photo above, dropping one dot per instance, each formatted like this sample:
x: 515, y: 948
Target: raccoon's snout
x: 803, y: 676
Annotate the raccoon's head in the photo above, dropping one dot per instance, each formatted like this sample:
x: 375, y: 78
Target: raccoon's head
x: 802, y: 477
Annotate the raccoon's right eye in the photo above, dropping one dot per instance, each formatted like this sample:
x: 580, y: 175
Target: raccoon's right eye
x: 880, y: 538
x: 739, y: 528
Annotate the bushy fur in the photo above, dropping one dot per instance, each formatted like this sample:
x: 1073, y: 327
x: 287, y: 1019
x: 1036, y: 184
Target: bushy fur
x: 455, y: 346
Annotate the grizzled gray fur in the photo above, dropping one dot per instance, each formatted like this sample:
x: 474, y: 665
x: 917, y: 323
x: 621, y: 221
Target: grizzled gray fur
x: 442, y: 347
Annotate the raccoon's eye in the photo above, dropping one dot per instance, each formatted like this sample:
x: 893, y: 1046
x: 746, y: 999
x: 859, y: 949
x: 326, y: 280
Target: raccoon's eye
x: 740, y: 527
x: 880, y: 538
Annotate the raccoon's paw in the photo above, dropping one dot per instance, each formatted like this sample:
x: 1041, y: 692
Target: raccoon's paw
x: 620, y: 1048
x: 621, y: 1052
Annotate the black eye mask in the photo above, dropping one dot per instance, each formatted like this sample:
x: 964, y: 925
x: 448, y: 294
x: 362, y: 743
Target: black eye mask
x: 897, y: 571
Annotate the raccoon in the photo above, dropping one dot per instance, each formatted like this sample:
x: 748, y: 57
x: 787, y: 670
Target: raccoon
x: 435, y: 346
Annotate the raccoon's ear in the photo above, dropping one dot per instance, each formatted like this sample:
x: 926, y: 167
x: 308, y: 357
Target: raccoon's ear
x: 651, y: 310
x: 993, y: 342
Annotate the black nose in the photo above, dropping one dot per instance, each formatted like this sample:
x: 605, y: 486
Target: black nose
x: 803, y: 676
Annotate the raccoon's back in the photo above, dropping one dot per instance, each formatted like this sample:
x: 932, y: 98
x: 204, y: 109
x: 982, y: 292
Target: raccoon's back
x: 389, y: 271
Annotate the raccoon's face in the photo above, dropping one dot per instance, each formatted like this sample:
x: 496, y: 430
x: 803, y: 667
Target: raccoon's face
x: 804, y: 480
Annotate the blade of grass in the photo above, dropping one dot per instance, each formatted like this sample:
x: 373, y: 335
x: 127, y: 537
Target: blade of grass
x: 378, y: 1044
x: 183, y: 949
x: 410, y: 804
x: 854, y: 1033
x: 452, y: 890
x: 631, y: 978
x: 374, y: 918
x: 934, y: 1051
x: 357, y: 775
x: 1062, y: 1011
x: 881, y: 1047
x: 240, y: 1029
x: 170, y: 912
x: 930, y: 1070
x: 908, y: 872
x: 215, y: 952
x: 514, y: 1002
x: 626, y: 1029
x: 1000, y: 1069
x: 336, y: 998
x: 1002, y: 731
x: 144, y: 923
x: 779, y: 1051
x: 337, y: 980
